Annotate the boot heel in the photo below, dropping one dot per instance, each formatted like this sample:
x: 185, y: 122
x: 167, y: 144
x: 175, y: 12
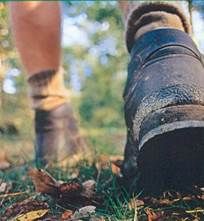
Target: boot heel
x: 170, y: 119
x: 172, y: 147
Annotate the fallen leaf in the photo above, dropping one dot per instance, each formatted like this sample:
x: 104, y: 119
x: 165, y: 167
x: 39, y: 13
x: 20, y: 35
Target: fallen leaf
x: 67, y: 215
x: 32, y: 215
x: 118, y: 159
x: 44, y: 182
x: 104, y: 161
x: 5, y: 187
x: 84, y: 212
x: 89, y: 188
x: 4, y: 162
x: 87, y: 210
x: 69, y: 190
x: 115, y: 169
x: 23, y: 207
x: 70, y: 194
x: 152, y: 216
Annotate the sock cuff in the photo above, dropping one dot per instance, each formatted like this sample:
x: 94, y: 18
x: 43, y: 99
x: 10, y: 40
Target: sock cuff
x: 41, y: 78
x: 47, y: 89
x: 133, y: 23
x: 46, y: 83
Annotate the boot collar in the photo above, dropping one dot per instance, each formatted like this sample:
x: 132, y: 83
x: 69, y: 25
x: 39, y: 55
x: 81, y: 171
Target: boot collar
x: 151, y: 41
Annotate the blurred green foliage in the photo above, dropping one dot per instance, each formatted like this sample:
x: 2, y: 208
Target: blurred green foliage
x: 101, y: 91
x: 100, y: 68
x: 96, y: 73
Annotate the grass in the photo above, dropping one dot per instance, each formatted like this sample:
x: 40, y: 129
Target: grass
x: 115, y: 206
x: 116, y: 200
x: 112, y: 208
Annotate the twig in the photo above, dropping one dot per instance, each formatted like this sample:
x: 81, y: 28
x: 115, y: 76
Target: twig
x: 136, y: 214
x: 12, y: 194
x: 195, y: 211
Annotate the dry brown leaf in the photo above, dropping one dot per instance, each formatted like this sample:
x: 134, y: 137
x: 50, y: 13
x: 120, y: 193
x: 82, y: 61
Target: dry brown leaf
x: 23, y: 207
x: 67, y: 215
x: 115, y: 169
x: 73, y: 195
x: 117, y: 159
x: 152, y: 216
x: 70, y: 190
x: 4, y: 162
x: 70, y: 194
x: 44, y: 182
x: 104, y: 161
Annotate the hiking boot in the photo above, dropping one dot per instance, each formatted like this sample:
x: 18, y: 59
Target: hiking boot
x: 164, y: 112
x: 57, y: 135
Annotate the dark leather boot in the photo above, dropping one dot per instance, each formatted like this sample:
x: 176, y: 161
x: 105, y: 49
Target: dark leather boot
x: 164, y: 112
x: 57, y: 135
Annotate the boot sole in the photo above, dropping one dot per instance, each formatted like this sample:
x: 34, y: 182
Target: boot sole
x: 172, y: 149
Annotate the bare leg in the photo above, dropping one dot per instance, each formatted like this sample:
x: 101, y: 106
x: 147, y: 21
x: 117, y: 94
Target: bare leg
x: 36, y: 31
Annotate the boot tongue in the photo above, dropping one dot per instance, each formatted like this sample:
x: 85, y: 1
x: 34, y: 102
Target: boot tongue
x: 152, y: 16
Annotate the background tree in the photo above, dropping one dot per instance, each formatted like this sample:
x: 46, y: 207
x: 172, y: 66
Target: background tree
x: 95, y: 61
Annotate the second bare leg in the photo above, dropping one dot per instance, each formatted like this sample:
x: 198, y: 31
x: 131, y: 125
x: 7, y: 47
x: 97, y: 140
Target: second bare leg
x: 36, y: 31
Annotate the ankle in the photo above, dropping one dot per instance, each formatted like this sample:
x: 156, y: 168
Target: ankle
x: 47, y: 90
